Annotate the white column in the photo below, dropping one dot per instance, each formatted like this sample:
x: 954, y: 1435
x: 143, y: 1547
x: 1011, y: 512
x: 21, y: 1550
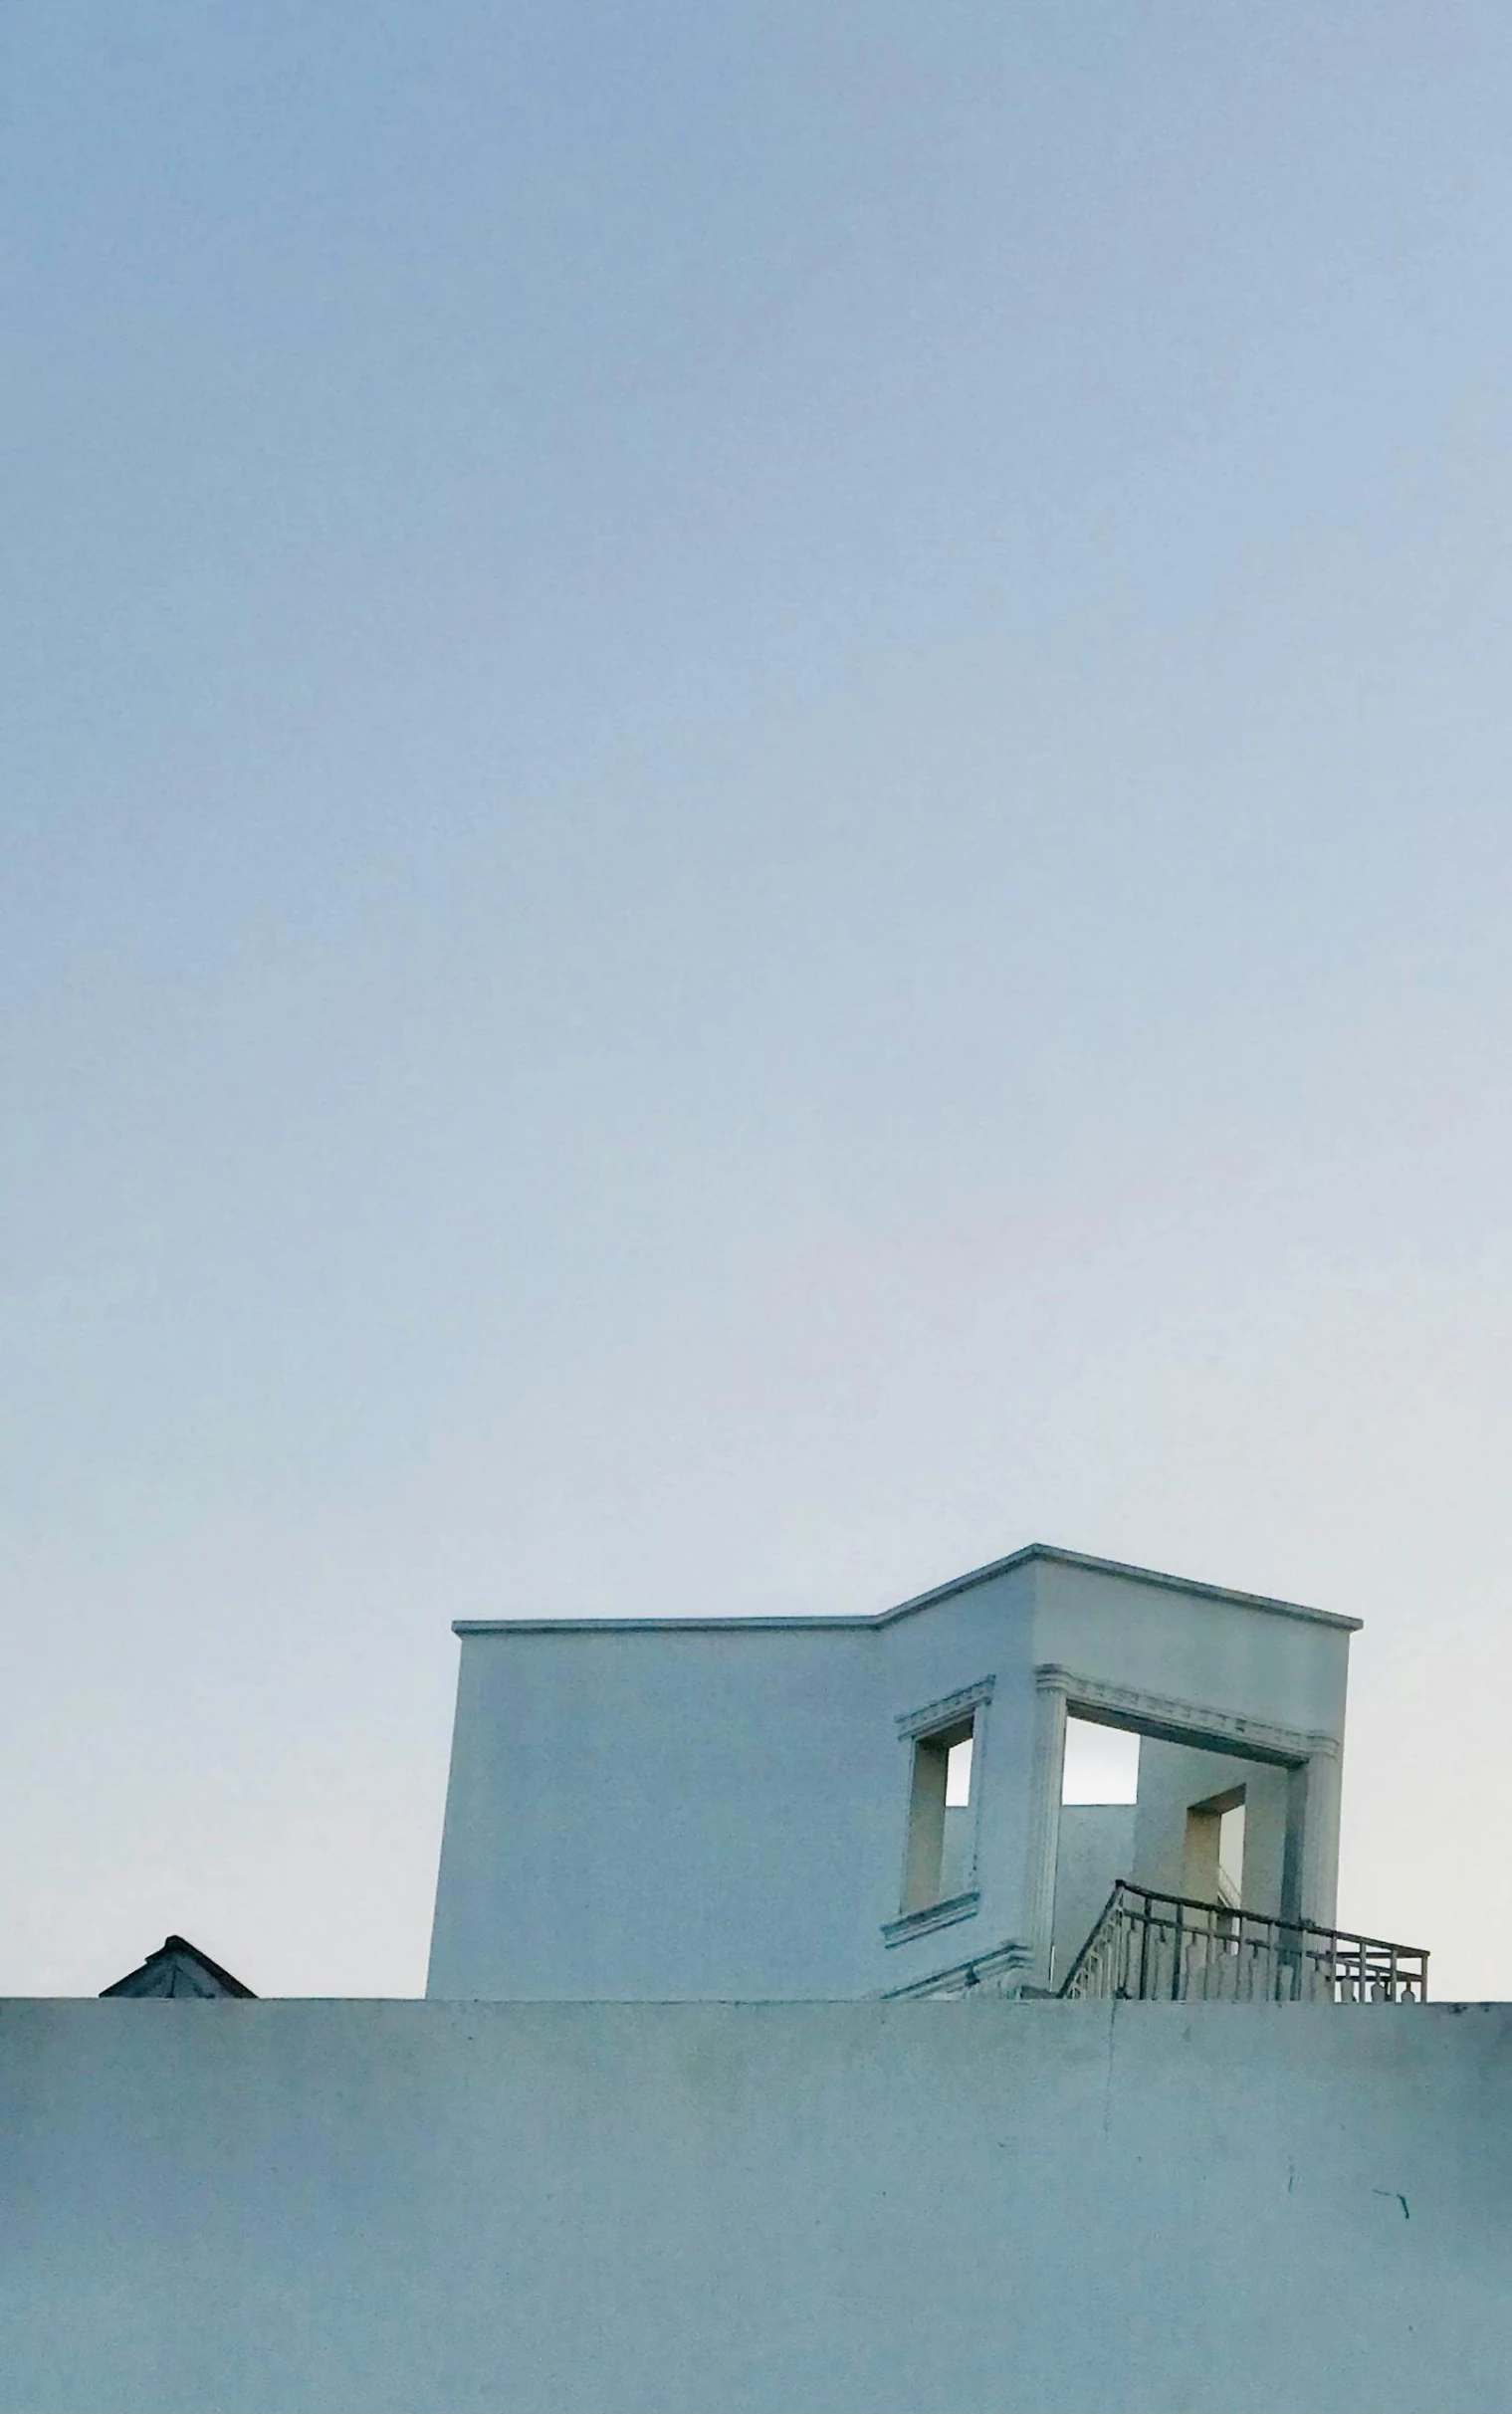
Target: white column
x: 1045, y: 1779
x: 1320, y: 1837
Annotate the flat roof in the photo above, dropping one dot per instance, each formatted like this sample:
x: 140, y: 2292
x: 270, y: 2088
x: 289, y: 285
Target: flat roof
x: 904, y: 1609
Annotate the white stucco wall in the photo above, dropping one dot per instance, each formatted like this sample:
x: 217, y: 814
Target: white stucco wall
x: 1262, y: 1660
x: 1096, y: 1848
x: 315, y: 2208
x: 678, y: 1813
x: 692, y: 1811
x: 1171, y: 1778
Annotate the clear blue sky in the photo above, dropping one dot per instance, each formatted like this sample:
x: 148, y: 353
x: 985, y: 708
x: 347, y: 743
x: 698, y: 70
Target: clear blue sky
x: 756, y: 837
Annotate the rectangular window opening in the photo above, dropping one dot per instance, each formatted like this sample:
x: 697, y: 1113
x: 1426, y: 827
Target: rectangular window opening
x: 942, y: 1813
x: 1213, y: 1856
x: 1231, y: 1854
x: 958, y: 1775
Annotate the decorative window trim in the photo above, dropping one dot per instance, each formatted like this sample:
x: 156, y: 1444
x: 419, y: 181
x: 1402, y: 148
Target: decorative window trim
x: 969, y: 1703
x: 1183, y: 1722
x: 935, y: 1916
x: 991, y: 1970
x: 945, y: 1711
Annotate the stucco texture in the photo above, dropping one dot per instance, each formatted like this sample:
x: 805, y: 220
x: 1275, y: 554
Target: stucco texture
x: 861, y: 2208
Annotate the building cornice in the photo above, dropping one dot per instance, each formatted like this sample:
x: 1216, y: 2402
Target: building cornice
x: 829, y: 1623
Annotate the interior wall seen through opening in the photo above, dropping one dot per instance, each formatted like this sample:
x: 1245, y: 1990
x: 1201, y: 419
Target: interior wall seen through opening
x: 1175, y: 1818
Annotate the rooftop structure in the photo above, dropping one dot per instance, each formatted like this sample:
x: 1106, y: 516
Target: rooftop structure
x: 770, y: 1808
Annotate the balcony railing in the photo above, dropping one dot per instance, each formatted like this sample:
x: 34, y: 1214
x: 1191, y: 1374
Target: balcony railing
x: 1161, y: 1947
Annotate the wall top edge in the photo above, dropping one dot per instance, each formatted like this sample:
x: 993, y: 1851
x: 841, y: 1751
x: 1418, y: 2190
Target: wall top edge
x: 228, y: 2012
x: 664, y: 1626
x: 832, y: 1623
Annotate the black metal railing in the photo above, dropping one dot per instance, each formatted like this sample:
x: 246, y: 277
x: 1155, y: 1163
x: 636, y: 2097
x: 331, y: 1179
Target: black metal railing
x: 1150, y: 1947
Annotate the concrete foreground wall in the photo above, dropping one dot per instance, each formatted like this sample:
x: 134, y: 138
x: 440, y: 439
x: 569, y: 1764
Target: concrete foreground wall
x: 358, y: 2208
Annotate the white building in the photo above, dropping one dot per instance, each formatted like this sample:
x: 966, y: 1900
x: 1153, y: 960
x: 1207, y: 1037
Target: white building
x: 779, y: 1808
